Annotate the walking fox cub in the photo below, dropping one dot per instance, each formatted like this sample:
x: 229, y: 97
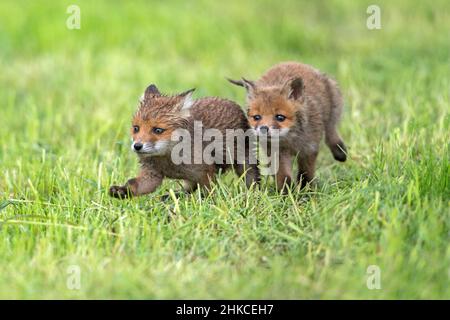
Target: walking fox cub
x: 157, y: 118
x: 301, y: 103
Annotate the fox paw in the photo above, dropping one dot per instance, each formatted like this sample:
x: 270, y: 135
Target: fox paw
x: 119, y: 192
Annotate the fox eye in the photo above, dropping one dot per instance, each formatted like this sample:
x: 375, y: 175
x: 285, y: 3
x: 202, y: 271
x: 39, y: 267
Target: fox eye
x: 135, y: 129
x: 280, y: 117
x: 158, y: 130
x: 257, y: 117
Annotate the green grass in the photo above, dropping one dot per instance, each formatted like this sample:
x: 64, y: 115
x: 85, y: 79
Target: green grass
x: 67, y: 97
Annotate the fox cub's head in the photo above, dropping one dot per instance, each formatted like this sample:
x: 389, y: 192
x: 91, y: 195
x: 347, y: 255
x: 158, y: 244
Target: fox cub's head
x: 157, y: 117
x: 273, y: 110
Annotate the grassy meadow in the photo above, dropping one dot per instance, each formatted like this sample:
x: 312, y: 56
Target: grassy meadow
x: 66, y: 101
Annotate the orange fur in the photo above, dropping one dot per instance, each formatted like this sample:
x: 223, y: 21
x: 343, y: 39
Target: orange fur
x: 268, y: 106
x: 302, y: 103
x: 170, y: 113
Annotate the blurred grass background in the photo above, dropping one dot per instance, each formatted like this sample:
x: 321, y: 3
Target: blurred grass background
x: 66, y: 100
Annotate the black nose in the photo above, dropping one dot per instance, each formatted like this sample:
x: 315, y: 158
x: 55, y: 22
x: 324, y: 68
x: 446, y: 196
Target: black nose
x: 138, y: 146
x: 264, y: 129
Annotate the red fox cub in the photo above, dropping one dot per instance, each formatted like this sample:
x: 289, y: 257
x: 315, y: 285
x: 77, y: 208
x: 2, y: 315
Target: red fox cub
x: 296, y: 103
x: 158, y: 118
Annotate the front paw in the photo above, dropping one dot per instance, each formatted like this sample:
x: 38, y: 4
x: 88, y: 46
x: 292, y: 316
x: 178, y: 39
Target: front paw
x: 119, y: 192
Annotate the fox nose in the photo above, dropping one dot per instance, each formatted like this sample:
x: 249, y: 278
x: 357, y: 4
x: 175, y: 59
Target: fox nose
x: 138, y: 146
x: 264, y: 129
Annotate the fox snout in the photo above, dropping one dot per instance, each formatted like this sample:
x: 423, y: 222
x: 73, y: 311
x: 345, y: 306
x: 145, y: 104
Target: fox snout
x: 264, y: 129
x: 137, y: 146
x: 271, y: 131
x: 140, y: 147
x: 150, y: 148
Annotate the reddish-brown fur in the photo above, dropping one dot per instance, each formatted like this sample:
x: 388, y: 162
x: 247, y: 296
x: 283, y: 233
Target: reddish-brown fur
x: 167, y: 112
x: 310, y: 104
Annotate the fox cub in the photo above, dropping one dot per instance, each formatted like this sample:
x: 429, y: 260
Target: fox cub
x: 301, y: 103
x: 157, y: 118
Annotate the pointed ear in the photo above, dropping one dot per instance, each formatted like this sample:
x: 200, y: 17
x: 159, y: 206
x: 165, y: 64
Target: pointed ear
x: 236, y: 82
x: 249, y: 85
x: 187, y: 102
x: 294, y: 88
x: 151, y: 92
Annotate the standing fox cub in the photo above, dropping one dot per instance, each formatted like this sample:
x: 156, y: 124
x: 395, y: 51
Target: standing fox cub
x: 301, y: 103
x: 160, y: 116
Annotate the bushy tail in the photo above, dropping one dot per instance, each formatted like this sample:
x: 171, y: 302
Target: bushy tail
x: 332, y: 137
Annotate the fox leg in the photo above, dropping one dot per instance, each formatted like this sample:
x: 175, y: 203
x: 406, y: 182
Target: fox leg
x: 207, y: 177
x: 189, y: 186
x: 251, y: 172
x: 284, y: 173
x: 145, y: 183
x: 306, y: 168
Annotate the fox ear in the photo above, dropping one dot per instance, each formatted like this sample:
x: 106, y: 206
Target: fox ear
x: 151, y: 92
x: 247, y: 84
x: 294, y: 88
x: 187, y: 102
x: 236, y: 82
